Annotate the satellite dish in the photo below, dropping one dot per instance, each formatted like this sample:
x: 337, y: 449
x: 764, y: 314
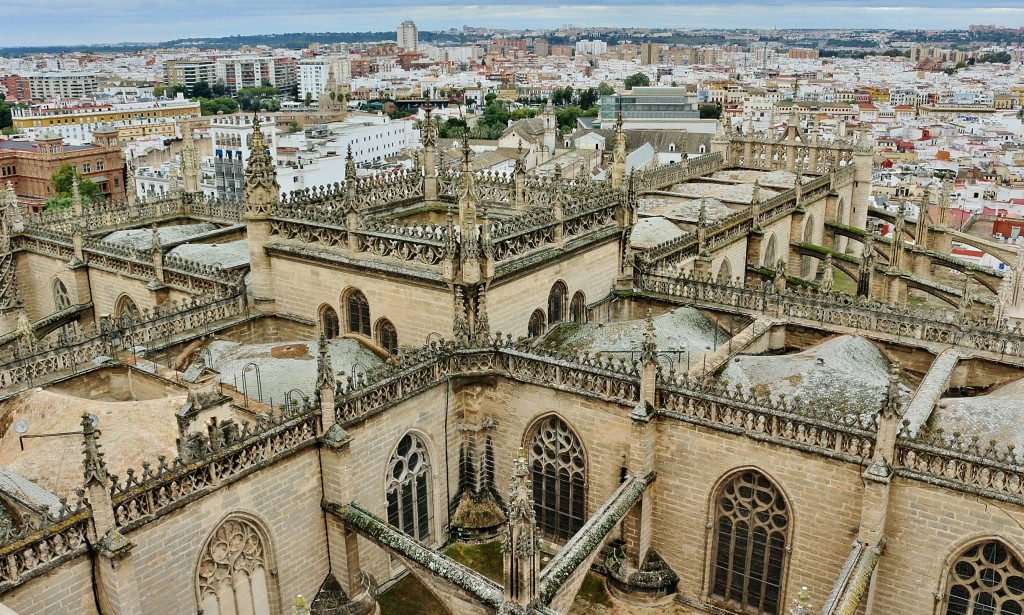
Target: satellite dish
x: 95, y: 420
x: 21, y: 426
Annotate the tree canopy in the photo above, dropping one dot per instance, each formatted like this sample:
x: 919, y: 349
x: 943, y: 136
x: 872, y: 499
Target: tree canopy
x: 638, y: 79
x: 62, y: 181
x: 214, y: 106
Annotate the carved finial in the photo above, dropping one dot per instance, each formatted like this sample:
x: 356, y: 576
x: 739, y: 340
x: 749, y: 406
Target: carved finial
x: 95, y: 467
x: 155, y: 239
x: 967, y: 299
x: 702, y: 214
x: 891, y: 406
x: 864, y: 144
x: 649, y: 349
x: 325, y: 378
x: 350, y: 164
x: 76, y: 196
x: 258, y: 142
x: 521, y: 553
x: 828, y: 276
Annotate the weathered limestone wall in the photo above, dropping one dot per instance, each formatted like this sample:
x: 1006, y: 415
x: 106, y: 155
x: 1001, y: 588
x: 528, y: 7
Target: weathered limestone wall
x: 285, y: 498
x: 364, y: 466
x: 510, y: 303
x: 604, y: 429
x: 117, y: 384
x: 268, y: 329
x: 824, y: 498
x: 36, y: 276
x: 108, y: 287
x: 66, y: 590
x: 780, y: 230
x: 736, y: 254
x: 927, y: 527
x: 415, y: 310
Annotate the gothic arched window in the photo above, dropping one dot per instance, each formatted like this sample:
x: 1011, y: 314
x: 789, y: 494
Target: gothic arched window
x: 559, y: 474
x: 329, y: 324
x: 408, y: 488
x: 61, y: 297
x: 724, y: 272
x: 557, y: 299
x: 769, y: 254
x: 125, y: 309
x: 578, y: 307
x: 536, y: 326
x: 358, y: 313
x: 986, y: 579
x: 387, y: 336
x: 232, y: 576
x: 751, y: 533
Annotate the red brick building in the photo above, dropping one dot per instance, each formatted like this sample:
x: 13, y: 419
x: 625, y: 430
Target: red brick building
x: 16, y: 88
x: 28, y: 165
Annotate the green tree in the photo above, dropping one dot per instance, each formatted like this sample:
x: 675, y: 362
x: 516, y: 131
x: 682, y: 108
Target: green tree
x: 201, y: 89
x: 491, y: 97
x: 452, y: 128
x: 605, y: 89
x: 710, y: 112
x: 219, y: 89
x: 63, y: 180
x: 309, y: 98
x: 637, y: 80
x: 6, y: 118
x: 567, y: 118
x: 588, y: 98
x: 996, y: 57
x: 254, y: 99
x: 224, y: 105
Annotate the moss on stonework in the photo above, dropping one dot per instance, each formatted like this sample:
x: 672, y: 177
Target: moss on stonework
x: 592, y: 592
x: 485, y: 558
x: 409, y: 597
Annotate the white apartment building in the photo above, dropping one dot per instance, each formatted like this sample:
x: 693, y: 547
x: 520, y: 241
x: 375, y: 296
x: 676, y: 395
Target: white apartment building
x: 595, y: 48
x: 49, y: 86
x: 239, y: 72
x: 313, y: 73
x: 408, y: 36
x: 231, y: 135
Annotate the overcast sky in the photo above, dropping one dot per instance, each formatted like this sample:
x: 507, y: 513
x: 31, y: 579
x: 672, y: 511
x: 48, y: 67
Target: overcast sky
x: 60, y: 22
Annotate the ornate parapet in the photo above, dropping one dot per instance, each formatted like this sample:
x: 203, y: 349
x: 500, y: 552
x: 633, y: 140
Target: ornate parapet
x: 22, y: 366
x: 839, y: 309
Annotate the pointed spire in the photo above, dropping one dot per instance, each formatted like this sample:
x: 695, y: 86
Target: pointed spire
x: 1005, y: 297
x: 521, y: 550
x: 189, y: 161
x: 864, y: 140
x: 649, y: 349
x: 891, y: 406
x: 967, y: 298
x: 325, y: 378
x: 827, y: 276
x: 258, y: 142
x: 702, y: 226
x: 798, y: 185
x: 350, y: 164
x: 76, y: 196
x: 261, y: 187
x: 619, y: 153
x: 95, y: 467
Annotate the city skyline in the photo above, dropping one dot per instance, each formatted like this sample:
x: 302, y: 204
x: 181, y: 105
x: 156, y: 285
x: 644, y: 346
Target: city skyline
x: 58, y: 22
